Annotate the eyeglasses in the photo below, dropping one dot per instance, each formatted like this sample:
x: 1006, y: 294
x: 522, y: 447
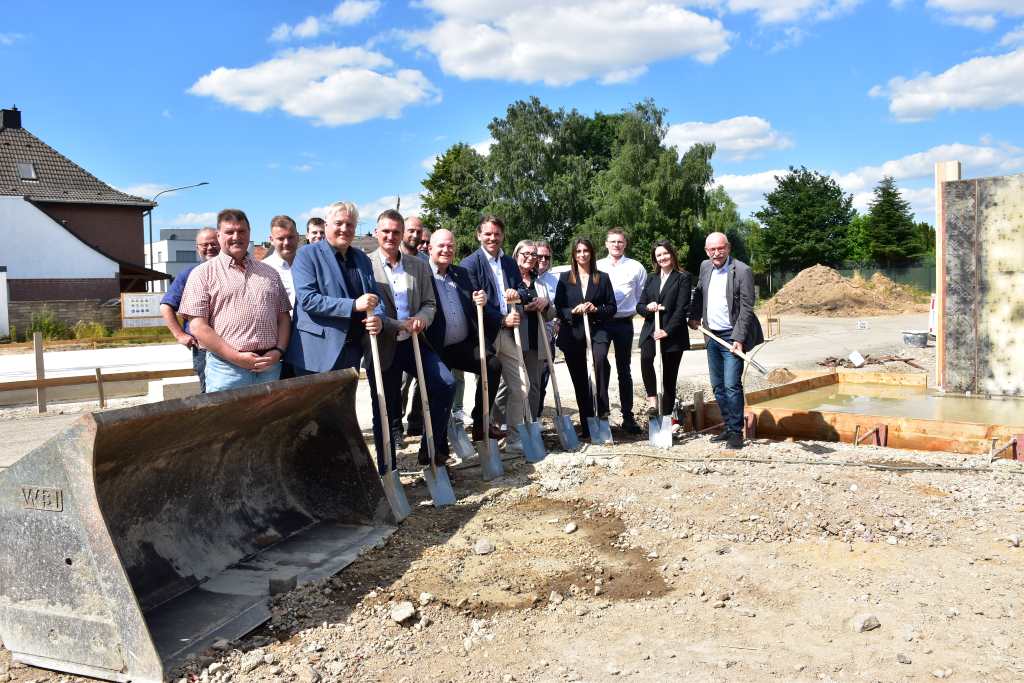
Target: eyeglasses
x: 528, y: 254
x: 716, y: 250
x: 543, y: 257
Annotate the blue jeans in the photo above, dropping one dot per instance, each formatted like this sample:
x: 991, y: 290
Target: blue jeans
x: 726, y: 370
x: 222, y: 375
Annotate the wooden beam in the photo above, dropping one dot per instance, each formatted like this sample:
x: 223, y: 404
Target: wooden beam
x: 99, y: 388
x: 945, y: 171
x: 37, y: 350
x: 76, y: 380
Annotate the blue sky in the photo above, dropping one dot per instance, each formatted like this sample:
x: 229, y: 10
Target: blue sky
x: 286, y: 107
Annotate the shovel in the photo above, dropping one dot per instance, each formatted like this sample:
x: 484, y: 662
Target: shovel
x: 753, y: 363
x: 490, y: 460
x: 529, y: 430
x: 389, y: 478
x: 563, y: 425
x: 659, y: 428
x: 459, y: 440
x: 439, y: 485
x: 600, y: 432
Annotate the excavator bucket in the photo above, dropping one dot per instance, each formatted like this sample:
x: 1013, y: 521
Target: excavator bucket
x: 139, y: 536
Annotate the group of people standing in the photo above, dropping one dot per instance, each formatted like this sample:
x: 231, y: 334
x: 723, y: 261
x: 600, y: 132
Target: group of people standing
x: 315, y: 309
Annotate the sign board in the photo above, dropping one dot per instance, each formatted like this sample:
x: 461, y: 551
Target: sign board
x: 141, y: 309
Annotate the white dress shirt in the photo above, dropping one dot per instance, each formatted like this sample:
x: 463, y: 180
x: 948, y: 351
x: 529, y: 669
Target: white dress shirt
x: 718, y: 303
x: 284, y: 269
x: 399, y: 290
x: 499, y: 278
x: 628, y: 278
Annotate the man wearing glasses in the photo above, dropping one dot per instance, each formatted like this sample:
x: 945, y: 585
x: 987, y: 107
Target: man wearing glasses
x: 724, y: 301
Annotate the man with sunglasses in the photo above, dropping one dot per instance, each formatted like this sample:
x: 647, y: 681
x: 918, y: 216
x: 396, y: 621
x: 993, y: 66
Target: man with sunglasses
x: 724, y: 301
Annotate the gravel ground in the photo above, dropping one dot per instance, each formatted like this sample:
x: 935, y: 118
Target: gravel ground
x: 799, y: 561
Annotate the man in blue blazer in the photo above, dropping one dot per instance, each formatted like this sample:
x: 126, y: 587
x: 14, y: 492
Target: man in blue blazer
x: 498, y: 276
x: 336, y: 299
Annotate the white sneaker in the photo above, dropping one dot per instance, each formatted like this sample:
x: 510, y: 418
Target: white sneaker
x: 462, y: 417
x: 513, y: 447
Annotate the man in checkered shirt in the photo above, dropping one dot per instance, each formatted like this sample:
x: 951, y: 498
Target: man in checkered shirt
x: 238, y: 310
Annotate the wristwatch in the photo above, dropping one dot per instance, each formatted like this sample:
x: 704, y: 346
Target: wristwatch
x: 279, y: 350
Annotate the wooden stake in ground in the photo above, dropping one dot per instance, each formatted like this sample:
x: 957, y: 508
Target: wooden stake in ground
x: 37, y: 349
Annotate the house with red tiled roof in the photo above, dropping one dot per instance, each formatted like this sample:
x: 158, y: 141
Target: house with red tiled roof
x: 72, y: 243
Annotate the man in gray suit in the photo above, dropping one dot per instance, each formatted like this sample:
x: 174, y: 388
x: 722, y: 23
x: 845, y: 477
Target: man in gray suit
x: 406, y: 288
x: 724, y: 301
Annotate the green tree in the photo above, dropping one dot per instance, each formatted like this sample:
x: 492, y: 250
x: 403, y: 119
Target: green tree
x: 647, y: 188
x: 894, y: 236
x: 806, y: 219
x: 926, y: 238
x: 858, y: 239
x: 722, y: 216
x: 456, y: 192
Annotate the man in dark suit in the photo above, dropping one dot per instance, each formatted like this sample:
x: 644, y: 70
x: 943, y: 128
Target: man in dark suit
x: 336, y: 301
x: 724, y: 301
x: 498, y: 275
x: 406, y: 288
x: 454, y: 335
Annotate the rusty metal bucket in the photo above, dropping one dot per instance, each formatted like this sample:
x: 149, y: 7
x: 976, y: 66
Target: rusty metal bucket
x: 139, y: 536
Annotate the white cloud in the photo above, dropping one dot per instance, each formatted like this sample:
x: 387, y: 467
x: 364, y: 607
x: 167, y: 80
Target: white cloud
x: 737, y: 138
x: 412, y: 204
x: 352, y: 12
x: 979, y: 22
x: 166, y: 113
x: 332, y: 85
x: 7, y: 39
x: 303, y: 168
x: 1013, y: 37
x: 193, y: 219
x: 788, y: 11
x: 347, y: 13
x: 748, y: 190
x: 1010, y: 7
x: 145, y: 190
x: 979, y: 158
x: 979, y: 83
x: 560, y: 42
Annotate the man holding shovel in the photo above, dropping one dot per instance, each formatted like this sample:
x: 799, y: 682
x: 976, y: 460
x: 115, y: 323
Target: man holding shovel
x: 453, y: 334
x: 724, y: 301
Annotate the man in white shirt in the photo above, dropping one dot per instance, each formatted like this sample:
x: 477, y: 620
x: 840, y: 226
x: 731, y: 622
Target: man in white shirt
x: 627, y: 277
x: 285, y: 238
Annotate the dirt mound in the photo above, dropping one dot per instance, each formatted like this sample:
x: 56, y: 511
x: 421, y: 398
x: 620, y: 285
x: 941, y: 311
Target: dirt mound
x: 820, y: 290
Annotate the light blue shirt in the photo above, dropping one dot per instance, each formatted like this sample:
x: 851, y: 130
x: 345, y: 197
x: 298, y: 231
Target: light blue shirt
x: 399, y: 289
x: 456, y: 328
x: 499, y: 278
x: 718, y: 302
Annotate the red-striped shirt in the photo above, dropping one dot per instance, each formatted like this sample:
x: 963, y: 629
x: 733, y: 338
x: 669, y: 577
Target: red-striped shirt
x: 240, y: 304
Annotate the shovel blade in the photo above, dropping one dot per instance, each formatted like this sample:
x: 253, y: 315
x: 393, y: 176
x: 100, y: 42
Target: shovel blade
x: 439, y: 485
x: 566, y: 433
x: 459, y: 441
x: 533, y: 444
x: 659, y: 431
x: 490, y: 460
x: 396, y: 495
x: 600, y: 432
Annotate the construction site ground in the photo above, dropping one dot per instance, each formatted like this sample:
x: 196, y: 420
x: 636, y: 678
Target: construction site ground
x: 791, y: 561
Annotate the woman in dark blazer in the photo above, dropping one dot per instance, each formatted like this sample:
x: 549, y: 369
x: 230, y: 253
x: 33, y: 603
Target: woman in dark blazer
x: 584, y: 290
x: 667, y: 288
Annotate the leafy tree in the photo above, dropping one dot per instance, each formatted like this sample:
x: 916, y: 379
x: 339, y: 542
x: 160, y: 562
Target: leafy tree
x: 926, y: 238
x: 722, y: 216
x: 894, y: 236
x: 456, y: 191
x: 858, y: 239
x: 647, y: 189
x: 806, y: 219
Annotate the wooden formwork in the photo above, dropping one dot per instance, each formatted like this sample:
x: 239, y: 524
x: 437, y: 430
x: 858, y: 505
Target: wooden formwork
x: 899, y: 432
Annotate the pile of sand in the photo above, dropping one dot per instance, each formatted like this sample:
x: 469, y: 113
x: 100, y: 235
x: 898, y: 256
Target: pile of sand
x: 820, y: 290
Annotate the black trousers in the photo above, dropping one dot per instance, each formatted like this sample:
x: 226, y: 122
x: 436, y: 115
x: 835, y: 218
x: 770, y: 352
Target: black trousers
x: 620, y: 330
x: 465, y: 356
x: 670, y: 361
x: 576, y: 362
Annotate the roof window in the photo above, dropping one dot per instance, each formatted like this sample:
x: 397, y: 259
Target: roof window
x: 27, y: 171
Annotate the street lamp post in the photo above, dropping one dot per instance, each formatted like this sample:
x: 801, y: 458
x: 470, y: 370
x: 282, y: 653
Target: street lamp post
x: 150, y: 214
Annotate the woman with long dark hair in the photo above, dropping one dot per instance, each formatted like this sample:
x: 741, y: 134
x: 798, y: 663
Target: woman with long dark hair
x: 585, y: 291
x: 667, y: 290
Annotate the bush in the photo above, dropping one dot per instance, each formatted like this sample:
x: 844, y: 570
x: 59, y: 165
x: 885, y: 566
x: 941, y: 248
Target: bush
x: 90, y: 330
x: 160, y: 331
x: 51, y: 327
